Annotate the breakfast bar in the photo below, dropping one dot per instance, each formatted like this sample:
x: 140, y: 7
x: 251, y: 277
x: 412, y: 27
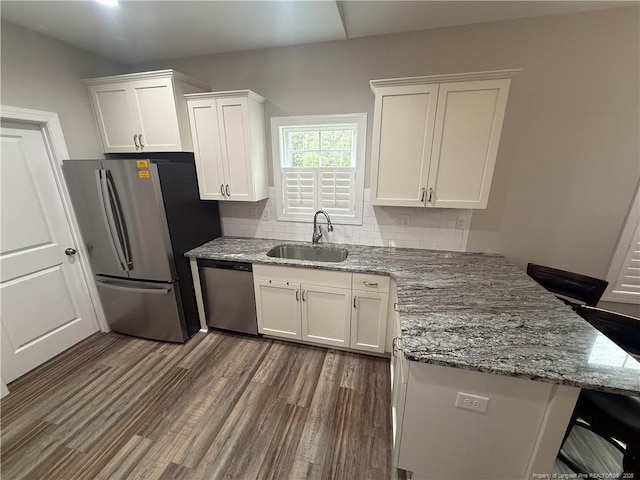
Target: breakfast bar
x: 471, y: 328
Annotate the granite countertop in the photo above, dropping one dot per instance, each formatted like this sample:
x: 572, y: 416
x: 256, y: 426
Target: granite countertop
x: 473, y: 311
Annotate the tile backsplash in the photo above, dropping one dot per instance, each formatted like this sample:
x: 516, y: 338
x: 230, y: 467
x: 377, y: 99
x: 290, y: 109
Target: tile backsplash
x: 438, y: 229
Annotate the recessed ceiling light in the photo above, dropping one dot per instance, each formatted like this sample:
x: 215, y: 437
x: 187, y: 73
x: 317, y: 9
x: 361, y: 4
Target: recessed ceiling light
x: 110, y: 3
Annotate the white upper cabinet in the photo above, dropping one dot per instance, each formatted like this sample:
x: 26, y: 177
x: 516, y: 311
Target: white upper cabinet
x: 403, y: 124
x: 229, y: 145
x: 435, y: 139
x: 143, y: 112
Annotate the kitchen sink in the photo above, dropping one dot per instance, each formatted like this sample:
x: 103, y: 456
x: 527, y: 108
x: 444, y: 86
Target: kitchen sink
x: 304, y: 252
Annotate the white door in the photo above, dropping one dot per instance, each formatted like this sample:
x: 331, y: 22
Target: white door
x: 235, y: 140
x: 155, y: 107
x: 45, y: 305
x: 116, y: 120
x: 465, y: 143
x: 203, y: 117
x: 402, y: 137
x: 369, y: 321
x: 278, y: 308
x: 326, y: 315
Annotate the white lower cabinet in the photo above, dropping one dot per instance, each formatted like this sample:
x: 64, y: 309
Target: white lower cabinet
x: 278, y: 308
x: 320, y: 307
x: 369, y: 321
x: 326, y: 315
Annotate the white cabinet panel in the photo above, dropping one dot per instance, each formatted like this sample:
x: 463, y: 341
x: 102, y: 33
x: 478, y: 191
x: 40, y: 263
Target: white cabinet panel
x: 236, y: 147
x: 402, y: 140
x: 278, y: 308
x: 117, y: 123
x: 157, y: 116
x: 467, y: 133
x: 435, y: 139
x: 204, y: 120
x: 230, y: 149
x: 326, y: 315
x: 369, y: 321
x: 138, y: 112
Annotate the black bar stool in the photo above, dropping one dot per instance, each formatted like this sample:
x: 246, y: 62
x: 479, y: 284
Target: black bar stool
x: 587, y: 290
x: 615, y: 418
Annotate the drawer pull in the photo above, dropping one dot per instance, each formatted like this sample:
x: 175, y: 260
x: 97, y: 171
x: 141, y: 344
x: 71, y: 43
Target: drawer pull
x: 370, y: 284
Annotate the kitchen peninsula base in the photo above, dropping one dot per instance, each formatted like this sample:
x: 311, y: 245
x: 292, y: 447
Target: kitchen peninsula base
x: 518, y: 435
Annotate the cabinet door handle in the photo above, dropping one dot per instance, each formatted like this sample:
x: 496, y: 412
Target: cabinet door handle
x: 228, y: 191
x: 422, y: 196
x: 394, y: 347
x: 222, y: 189
x: 370, y: 284
x: 354, y: 301
x: 395, y: 306
x: 303, y: 296
x: 430, y: 195
x: 135, y: 140
x: 297, y: 295
x: 140, y: 140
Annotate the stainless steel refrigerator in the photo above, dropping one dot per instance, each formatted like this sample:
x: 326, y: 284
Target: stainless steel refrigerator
x: 137, y: 218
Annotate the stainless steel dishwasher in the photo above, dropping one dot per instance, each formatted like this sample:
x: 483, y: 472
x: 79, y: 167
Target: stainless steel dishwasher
x: 229, y: 299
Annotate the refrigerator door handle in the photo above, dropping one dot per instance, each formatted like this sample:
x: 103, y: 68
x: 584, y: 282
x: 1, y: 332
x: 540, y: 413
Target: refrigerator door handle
x: 123, y: 235
x: 107, y: 216
x: 124, y: 288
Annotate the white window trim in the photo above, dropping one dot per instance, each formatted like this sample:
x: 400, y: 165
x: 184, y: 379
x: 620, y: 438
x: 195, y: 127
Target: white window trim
x: 626, y: 242
x: 276, y: 146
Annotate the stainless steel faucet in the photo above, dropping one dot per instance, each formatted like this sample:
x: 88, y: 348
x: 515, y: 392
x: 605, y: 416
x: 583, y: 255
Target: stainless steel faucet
x: 317, y: 229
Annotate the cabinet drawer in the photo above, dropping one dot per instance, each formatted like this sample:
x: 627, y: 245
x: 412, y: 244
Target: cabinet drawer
x: 309, y: 276
x: 370, y: 283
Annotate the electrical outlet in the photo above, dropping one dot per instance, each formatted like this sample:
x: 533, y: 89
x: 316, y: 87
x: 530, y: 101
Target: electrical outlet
x: 472, y: 402
x: 405, y: 220
x: 254, y: 213
x: 392, y: 243
x: 265, y: 214
x: 461, y: 223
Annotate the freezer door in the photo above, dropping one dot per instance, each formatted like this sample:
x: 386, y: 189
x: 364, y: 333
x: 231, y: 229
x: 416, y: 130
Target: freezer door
x: 143, y: 309
x: 147, y: 245
x: 89, y: 195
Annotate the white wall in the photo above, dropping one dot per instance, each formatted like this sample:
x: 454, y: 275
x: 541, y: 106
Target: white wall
x: 41, y: 73
x: 568, y: 161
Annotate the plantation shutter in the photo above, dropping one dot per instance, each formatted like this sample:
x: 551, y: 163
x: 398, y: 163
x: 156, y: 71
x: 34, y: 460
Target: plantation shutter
x: 299, y: 190
x: 337, y: 191
x: 624, y: 272
x: 628, y: 281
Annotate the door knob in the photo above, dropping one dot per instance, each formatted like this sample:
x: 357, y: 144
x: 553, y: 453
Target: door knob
x: 70, y: 251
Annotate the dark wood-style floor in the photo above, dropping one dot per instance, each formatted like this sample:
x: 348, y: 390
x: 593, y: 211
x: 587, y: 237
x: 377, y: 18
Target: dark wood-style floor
x: 219, y: 406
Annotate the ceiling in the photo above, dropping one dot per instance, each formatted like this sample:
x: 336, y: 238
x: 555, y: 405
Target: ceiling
x: 139, y: 31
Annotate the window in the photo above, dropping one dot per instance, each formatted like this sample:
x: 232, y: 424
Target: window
x: 624, y: 272
x: 318, y: 164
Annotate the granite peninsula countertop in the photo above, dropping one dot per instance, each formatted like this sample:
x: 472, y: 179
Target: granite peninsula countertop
x: 473, y: 311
